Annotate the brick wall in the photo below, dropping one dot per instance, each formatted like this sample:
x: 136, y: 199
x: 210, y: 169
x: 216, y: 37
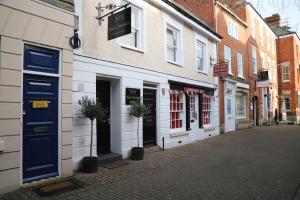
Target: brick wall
x: 204, y: 9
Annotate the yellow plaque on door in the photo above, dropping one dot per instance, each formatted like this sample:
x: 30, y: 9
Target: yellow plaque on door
x: 40, y: 104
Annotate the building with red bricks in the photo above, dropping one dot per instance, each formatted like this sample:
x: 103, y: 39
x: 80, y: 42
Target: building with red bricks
x: 248, y: 95
x: 288, y: 51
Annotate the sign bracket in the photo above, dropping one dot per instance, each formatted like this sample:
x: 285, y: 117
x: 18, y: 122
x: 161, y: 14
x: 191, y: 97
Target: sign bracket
x: 100, y: 9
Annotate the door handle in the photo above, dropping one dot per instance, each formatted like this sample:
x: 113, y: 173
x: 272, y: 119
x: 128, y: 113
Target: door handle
x: 24, y: 113
x: 108, y: 121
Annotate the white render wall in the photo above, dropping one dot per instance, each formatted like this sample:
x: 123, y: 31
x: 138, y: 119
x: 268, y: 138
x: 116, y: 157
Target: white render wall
x: 87, y: 70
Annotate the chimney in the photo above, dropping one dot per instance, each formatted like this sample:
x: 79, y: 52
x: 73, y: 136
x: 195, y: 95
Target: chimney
x: 274, y: 20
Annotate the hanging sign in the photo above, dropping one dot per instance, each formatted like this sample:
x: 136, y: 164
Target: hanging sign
x: 119, y: 24
x: 132, y: 94
x: 220, y: 69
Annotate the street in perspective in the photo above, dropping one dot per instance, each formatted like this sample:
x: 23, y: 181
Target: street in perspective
x: 150, y: 99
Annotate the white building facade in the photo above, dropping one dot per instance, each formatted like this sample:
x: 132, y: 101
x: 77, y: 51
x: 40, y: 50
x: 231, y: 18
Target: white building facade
x: 166, y: 61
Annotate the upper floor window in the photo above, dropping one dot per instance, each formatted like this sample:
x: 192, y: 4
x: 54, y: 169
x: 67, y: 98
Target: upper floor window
x: 262, y: 61
x: 173, y: 45
x: 201, y: 55
x: 261, y: 36
x: 232, y: 29
x: 252, y: 26
x: 254, y: 60
x: 268, y: 41
x: 227, y: 57
x: 134, y: 40
x: 285, y: 73
x: 240, y: 65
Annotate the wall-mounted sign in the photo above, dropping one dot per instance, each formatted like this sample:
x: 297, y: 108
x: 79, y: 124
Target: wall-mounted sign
x: 132, y: 94
x: 220, y: 69
x: 40, y: 104
x: 119, y: 24
x: 263, y: 84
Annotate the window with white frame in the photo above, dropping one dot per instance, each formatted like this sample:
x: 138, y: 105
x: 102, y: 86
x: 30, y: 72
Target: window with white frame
x: 173, y: 44
x: 232, y: 29
x: 240, y: 65
x: 252, y: 26
x: 176, y: 111
x: 134, y: 40
x: 206, y: 110
x: 201, y: 55
x: 268, y: 41
x: 261, y: 36
x: 227, y: 57
x: 254, y: 60
x: 193, y: 113
x: 286, y: 99
x: 241, y: 105
x: 262, y: 61
x: 285, y: 73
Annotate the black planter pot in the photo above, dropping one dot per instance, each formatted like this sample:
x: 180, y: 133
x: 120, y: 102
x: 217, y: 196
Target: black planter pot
x: 89, y: 164
x: 137, y: 153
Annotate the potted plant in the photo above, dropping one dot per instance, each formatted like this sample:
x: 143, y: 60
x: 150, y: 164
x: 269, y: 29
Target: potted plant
x: 138, y: 110
x: 91, y: 109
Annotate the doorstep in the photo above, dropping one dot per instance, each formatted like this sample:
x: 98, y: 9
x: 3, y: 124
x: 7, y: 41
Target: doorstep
x: 108, y: 157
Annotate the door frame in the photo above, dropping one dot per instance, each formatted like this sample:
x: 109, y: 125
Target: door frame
x: 230, y: 85
x: 59, y: 162
x: 157, y: 88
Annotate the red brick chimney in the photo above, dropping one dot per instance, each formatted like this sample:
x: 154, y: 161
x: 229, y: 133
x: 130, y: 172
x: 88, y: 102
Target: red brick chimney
x: 273, y: 20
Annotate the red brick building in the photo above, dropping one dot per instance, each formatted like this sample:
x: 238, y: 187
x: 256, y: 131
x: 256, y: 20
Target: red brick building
x: 249, y: 48
x: 288, y: 50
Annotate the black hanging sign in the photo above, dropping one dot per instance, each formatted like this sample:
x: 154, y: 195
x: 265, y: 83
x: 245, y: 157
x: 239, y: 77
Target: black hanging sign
x: 119, y: 24
x: 132, y: 94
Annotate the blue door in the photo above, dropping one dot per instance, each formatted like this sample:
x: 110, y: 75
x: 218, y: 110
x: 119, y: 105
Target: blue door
x: 40, y: 119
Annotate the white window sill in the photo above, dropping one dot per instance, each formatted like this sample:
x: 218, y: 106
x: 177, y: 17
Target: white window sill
x: 241, y: 77
x: 178, y: 134
x: 132, y: 48
x: 208, y: 128
x: 202, y: 72
x: 175, y: 63
x: 230, y: 73
x: 244, y: 117
x: 285, y: 81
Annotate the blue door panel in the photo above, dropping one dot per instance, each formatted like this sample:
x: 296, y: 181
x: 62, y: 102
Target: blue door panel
x: 40, y: 127
x: 41, y: 59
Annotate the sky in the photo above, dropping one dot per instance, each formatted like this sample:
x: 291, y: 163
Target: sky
x: 289, y: 11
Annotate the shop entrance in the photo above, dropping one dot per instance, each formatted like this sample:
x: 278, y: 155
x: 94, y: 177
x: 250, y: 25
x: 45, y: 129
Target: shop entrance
x: 149, y: 121
x: 103, y: 127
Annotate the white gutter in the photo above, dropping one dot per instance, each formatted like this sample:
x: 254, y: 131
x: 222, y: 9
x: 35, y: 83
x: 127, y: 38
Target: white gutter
x: 180, y: 16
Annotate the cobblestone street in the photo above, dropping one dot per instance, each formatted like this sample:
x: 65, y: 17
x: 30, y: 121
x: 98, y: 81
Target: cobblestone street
x: 258, y: 163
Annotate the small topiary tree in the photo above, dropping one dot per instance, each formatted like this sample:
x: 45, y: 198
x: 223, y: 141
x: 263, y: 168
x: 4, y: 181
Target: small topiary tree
x: 91, y: 109
x: 138, y: 110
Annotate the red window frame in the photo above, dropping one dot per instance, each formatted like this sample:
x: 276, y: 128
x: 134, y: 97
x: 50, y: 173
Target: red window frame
x: 176, y: 108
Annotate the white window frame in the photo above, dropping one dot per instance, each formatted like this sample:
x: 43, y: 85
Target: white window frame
x: 233, y: 29
x: 262, y: 61
x: 252, y: 26
x: 285, y: 73
x: 245, y: 105
x: 261, y: 36
x: 208, y: 111
x: 227, y: 52
x: 204, y: 41
x: 182, y: 114
x: 254, y: 58
x: 240, y: 65
x: 141, y: 37
x: 170, y: 23
x: 268, y: 41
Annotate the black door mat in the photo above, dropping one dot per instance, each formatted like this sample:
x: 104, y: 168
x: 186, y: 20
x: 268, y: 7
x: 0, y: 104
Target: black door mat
x: 57, y: 188
x: 115, y: 164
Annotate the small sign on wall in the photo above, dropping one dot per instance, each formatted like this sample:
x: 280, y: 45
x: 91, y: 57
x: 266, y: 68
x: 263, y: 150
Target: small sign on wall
x: 132, y: 94
x: 40, y: 104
